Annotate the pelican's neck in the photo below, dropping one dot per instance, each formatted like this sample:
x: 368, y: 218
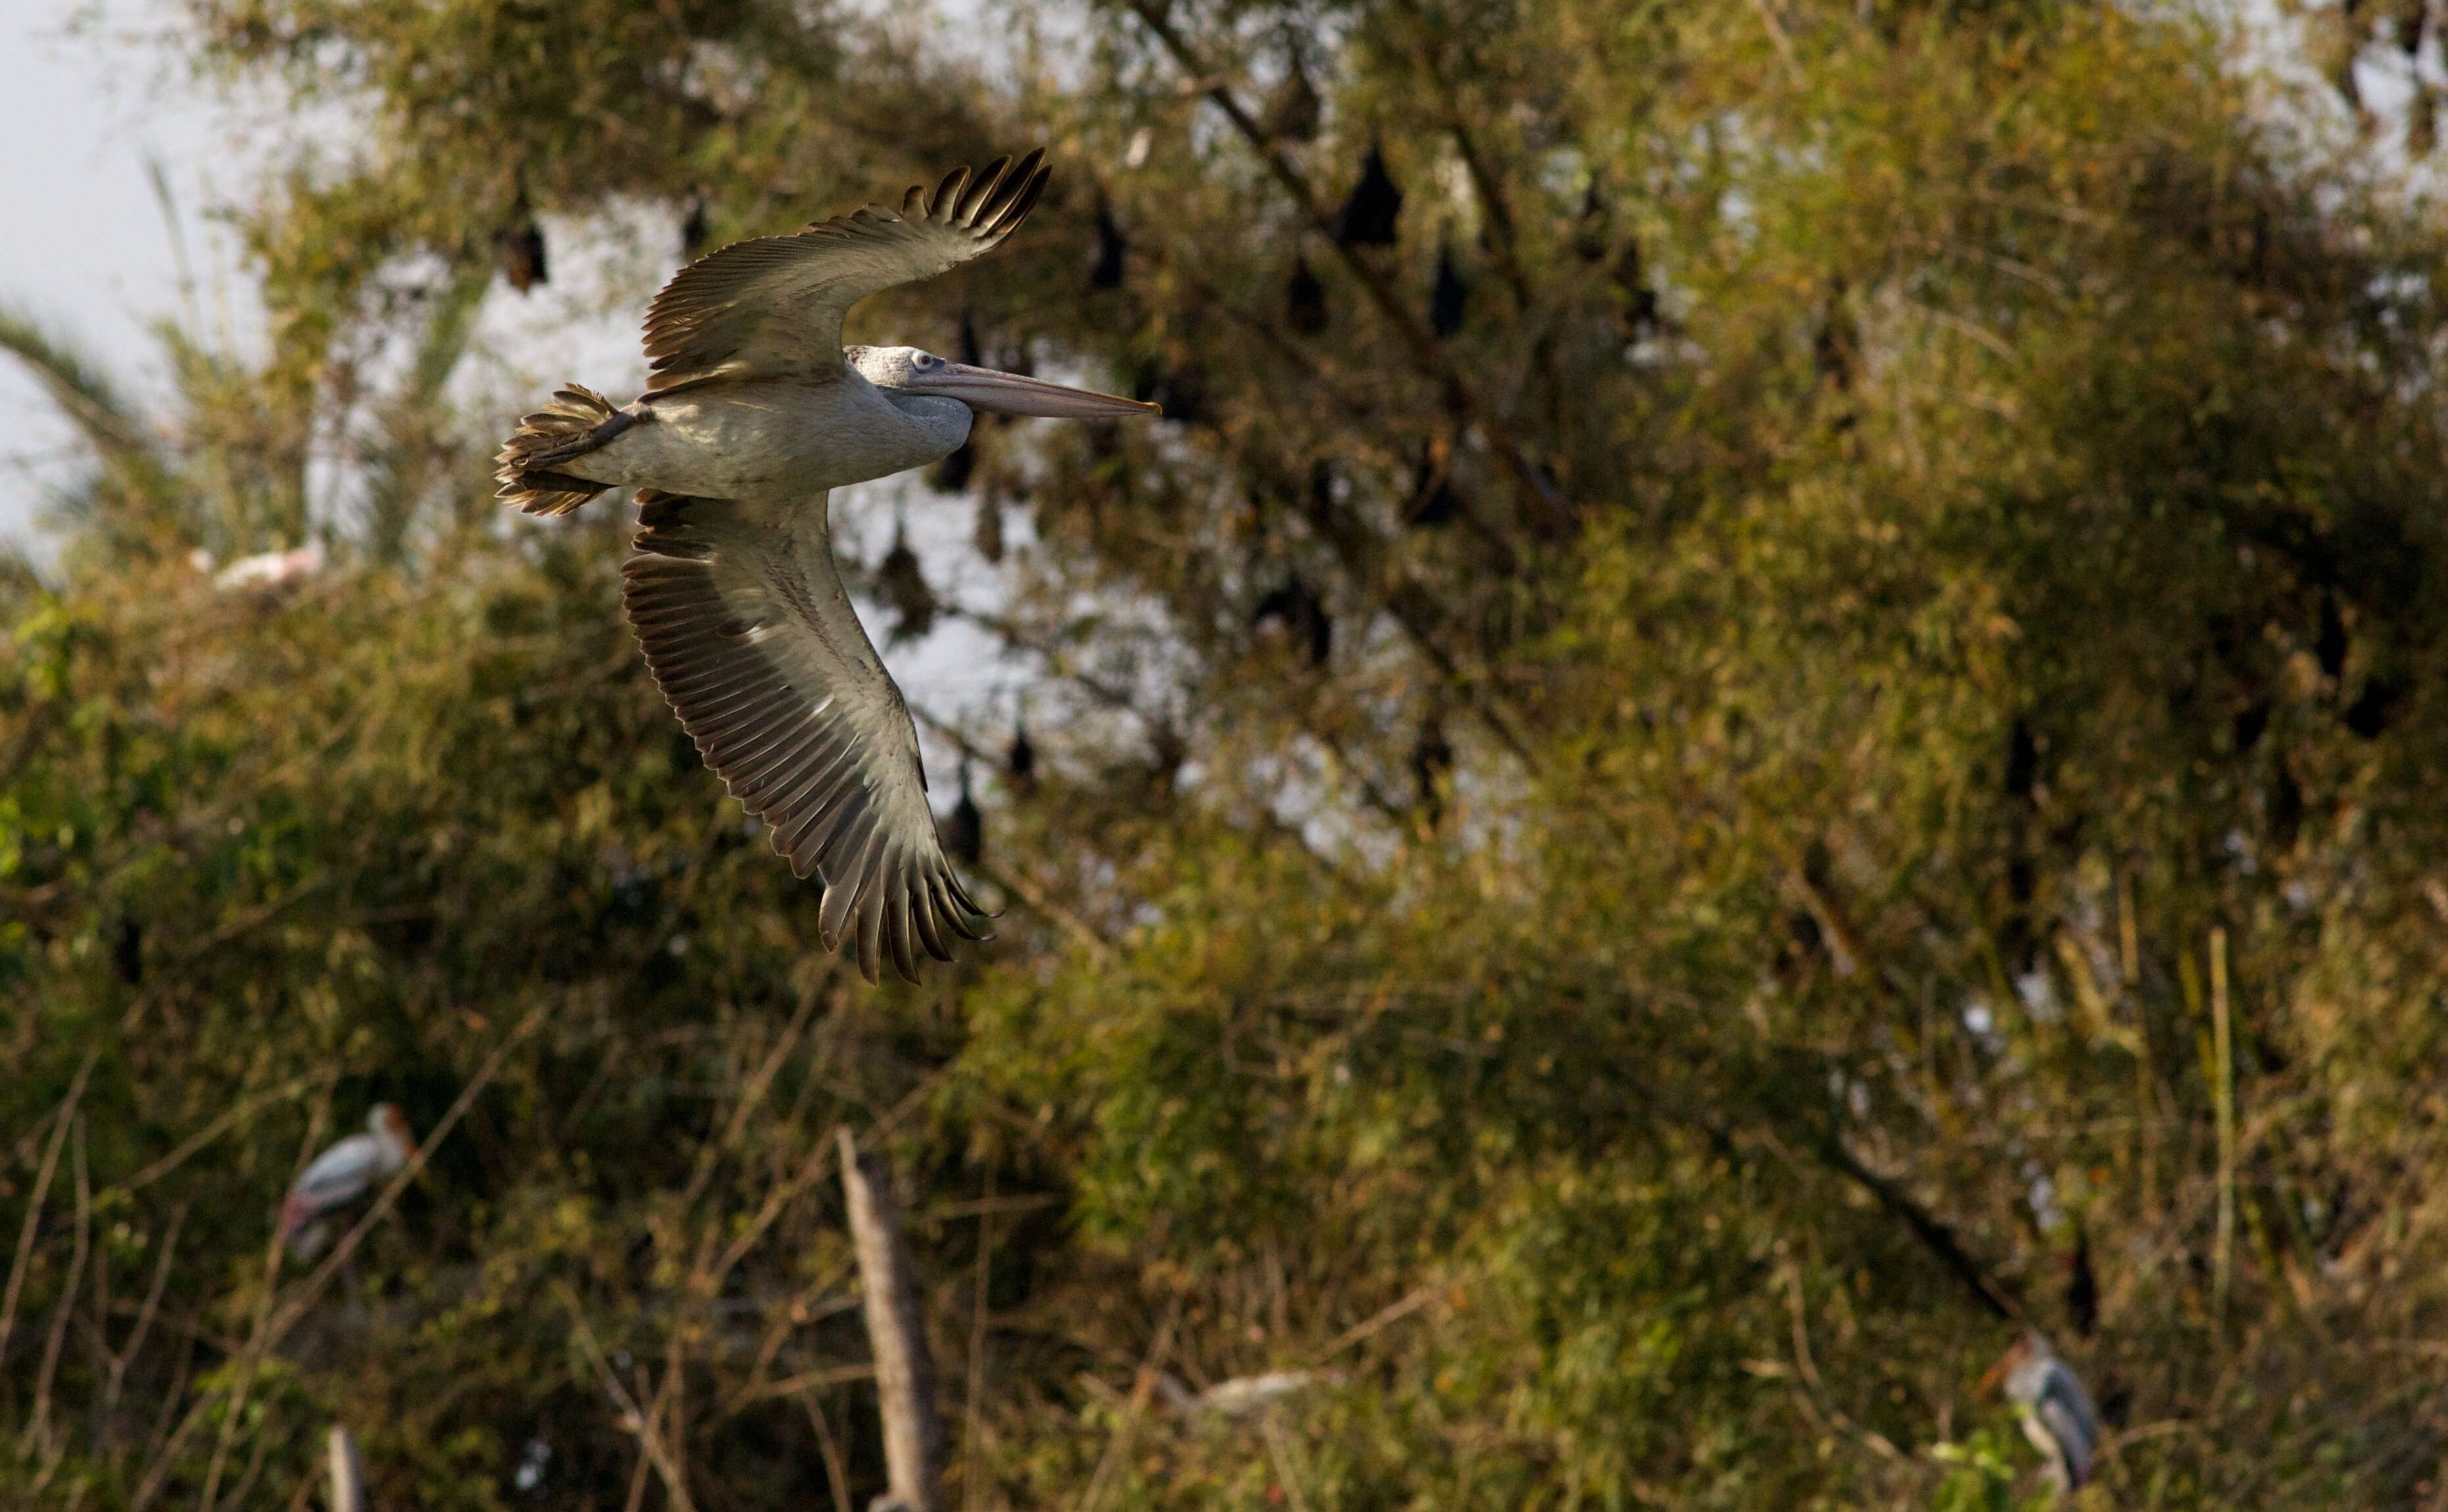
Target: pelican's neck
x: 941, y: 425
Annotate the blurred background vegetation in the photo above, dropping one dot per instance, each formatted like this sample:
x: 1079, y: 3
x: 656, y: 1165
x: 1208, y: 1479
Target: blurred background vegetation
x: 1756, y: 631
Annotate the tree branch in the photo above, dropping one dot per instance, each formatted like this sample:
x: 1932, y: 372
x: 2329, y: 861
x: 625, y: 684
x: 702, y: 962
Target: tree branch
x: 1431, y: 357
x: 905, y: 1371
x: 1935, y: 1234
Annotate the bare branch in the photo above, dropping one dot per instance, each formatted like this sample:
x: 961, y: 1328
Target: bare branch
x: 229, y: 1117
x: 38, y: 1429
x: 905, y: 1371
x: 1151, y: 1372
x: 347, y: 1472
x: 34, y: 1204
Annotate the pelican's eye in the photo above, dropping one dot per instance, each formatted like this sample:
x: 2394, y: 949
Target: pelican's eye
x: 925, y: 360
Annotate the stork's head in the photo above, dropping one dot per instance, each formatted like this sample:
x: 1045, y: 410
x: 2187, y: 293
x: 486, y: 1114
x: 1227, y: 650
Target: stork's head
x: 909, y: 369
x: 388, y: 1123
x: 2013, y: 1369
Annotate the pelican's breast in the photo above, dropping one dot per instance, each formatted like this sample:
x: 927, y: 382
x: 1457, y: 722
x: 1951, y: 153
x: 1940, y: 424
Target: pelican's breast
x: 733, y: 440
x: 859, y: 431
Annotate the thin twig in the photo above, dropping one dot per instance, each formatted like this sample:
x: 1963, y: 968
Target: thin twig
x: 303, y: 1493
x: 973, y: 1409
x: 1391, y: 1313
x: 1013, y: 634
x: 1809, y: 1387
x: 1281, y: 1453
x: 2223, y: 1049
x: 1776, y: 34
x: 1483, y: 180
x: 34, y: 1204
x: 229, y: 1117
x: 1041, y: 903
x: 1145, y: 1387
x: 807, y: 1381
x: 670, y: 1410
x: 799, y: 1313
x: 633, y: 1417
x: 1019, y: 1202
x: 709, y: 1152
x: 243, y: 1494
x: 164, y: 1442
x: 811, y: 1171
x: 262, y: 914
x: 118, y: 1363
x: 37, y: 1436
x: 836, y: 1474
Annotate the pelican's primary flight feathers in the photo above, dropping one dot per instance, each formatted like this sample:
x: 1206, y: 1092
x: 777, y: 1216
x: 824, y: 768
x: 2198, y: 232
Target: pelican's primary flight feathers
x: 754, y: 412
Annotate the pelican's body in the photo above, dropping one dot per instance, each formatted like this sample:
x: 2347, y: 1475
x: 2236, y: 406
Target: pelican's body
x: 754, y: 413
x: 746, y: 440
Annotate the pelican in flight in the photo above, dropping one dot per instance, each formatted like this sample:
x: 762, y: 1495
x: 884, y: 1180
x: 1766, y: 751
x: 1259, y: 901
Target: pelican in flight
x: 754, y: 414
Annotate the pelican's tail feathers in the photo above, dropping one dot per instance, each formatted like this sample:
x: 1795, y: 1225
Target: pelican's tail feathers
x: 577, y: 421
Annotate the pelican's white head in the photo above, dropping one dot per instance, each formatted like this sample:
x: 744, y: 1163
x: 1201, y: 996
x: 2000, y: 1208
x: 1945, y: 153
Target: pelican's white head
x: 909, y: 369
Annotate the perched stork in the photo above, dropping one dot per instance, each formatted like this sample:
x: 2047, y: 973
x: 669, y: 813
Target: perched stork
x: 340, y: 1175
x: 270, y: 569
x: 754, y: 414
x: 2057, y: 1412
x: 1243, y: 1395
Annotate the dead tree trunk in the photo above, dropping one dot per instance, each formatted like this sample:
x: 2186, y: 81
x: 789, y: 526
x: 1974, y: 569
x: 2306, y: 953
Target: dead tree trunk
x: 905, y: 1373
x: 348, y: 1474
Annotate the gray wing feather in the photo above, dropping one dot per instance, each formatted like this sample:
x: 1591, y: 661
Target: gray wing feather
x: 2067, y: 1412
x: 751, y: 637
x: 339, y: 1175
x: 772, y: 306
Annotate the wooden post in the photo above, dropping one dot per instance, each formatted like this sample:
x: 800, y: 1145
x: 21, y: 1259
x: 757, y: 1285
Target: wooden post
x: 347, y: 1473
x: 905, y: 1373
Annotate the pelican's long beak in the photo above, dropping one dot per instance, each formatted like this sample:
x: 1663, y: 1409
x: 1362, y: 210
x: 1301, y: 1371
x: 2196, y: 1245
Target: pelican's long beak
x: 1010, y: 393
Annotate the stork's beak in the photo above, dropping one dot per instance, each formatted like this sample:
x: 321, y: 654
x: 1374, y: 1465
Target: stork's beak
x: 2005, y: 1366
x: 1010, y: 393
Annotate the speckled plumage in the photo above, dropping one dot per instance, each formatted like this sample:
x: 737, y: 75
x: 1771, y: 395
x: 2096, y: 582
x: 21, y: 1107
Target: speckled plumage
x: 754, y: 414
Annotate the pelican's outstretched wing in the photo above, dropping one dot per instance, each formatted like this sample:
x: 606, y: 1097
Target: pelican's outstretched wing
x: 751, y: 637
x: 773, y: 307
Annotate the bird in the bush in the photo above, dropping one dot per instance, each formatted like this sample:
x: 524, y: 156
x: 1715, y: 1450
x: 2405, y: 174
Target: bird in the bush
x: 753, y: 412
x: 2057, y: 1412
x: 1292, y: 110
x: 1367, y: 215
x: 340, y: 1175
